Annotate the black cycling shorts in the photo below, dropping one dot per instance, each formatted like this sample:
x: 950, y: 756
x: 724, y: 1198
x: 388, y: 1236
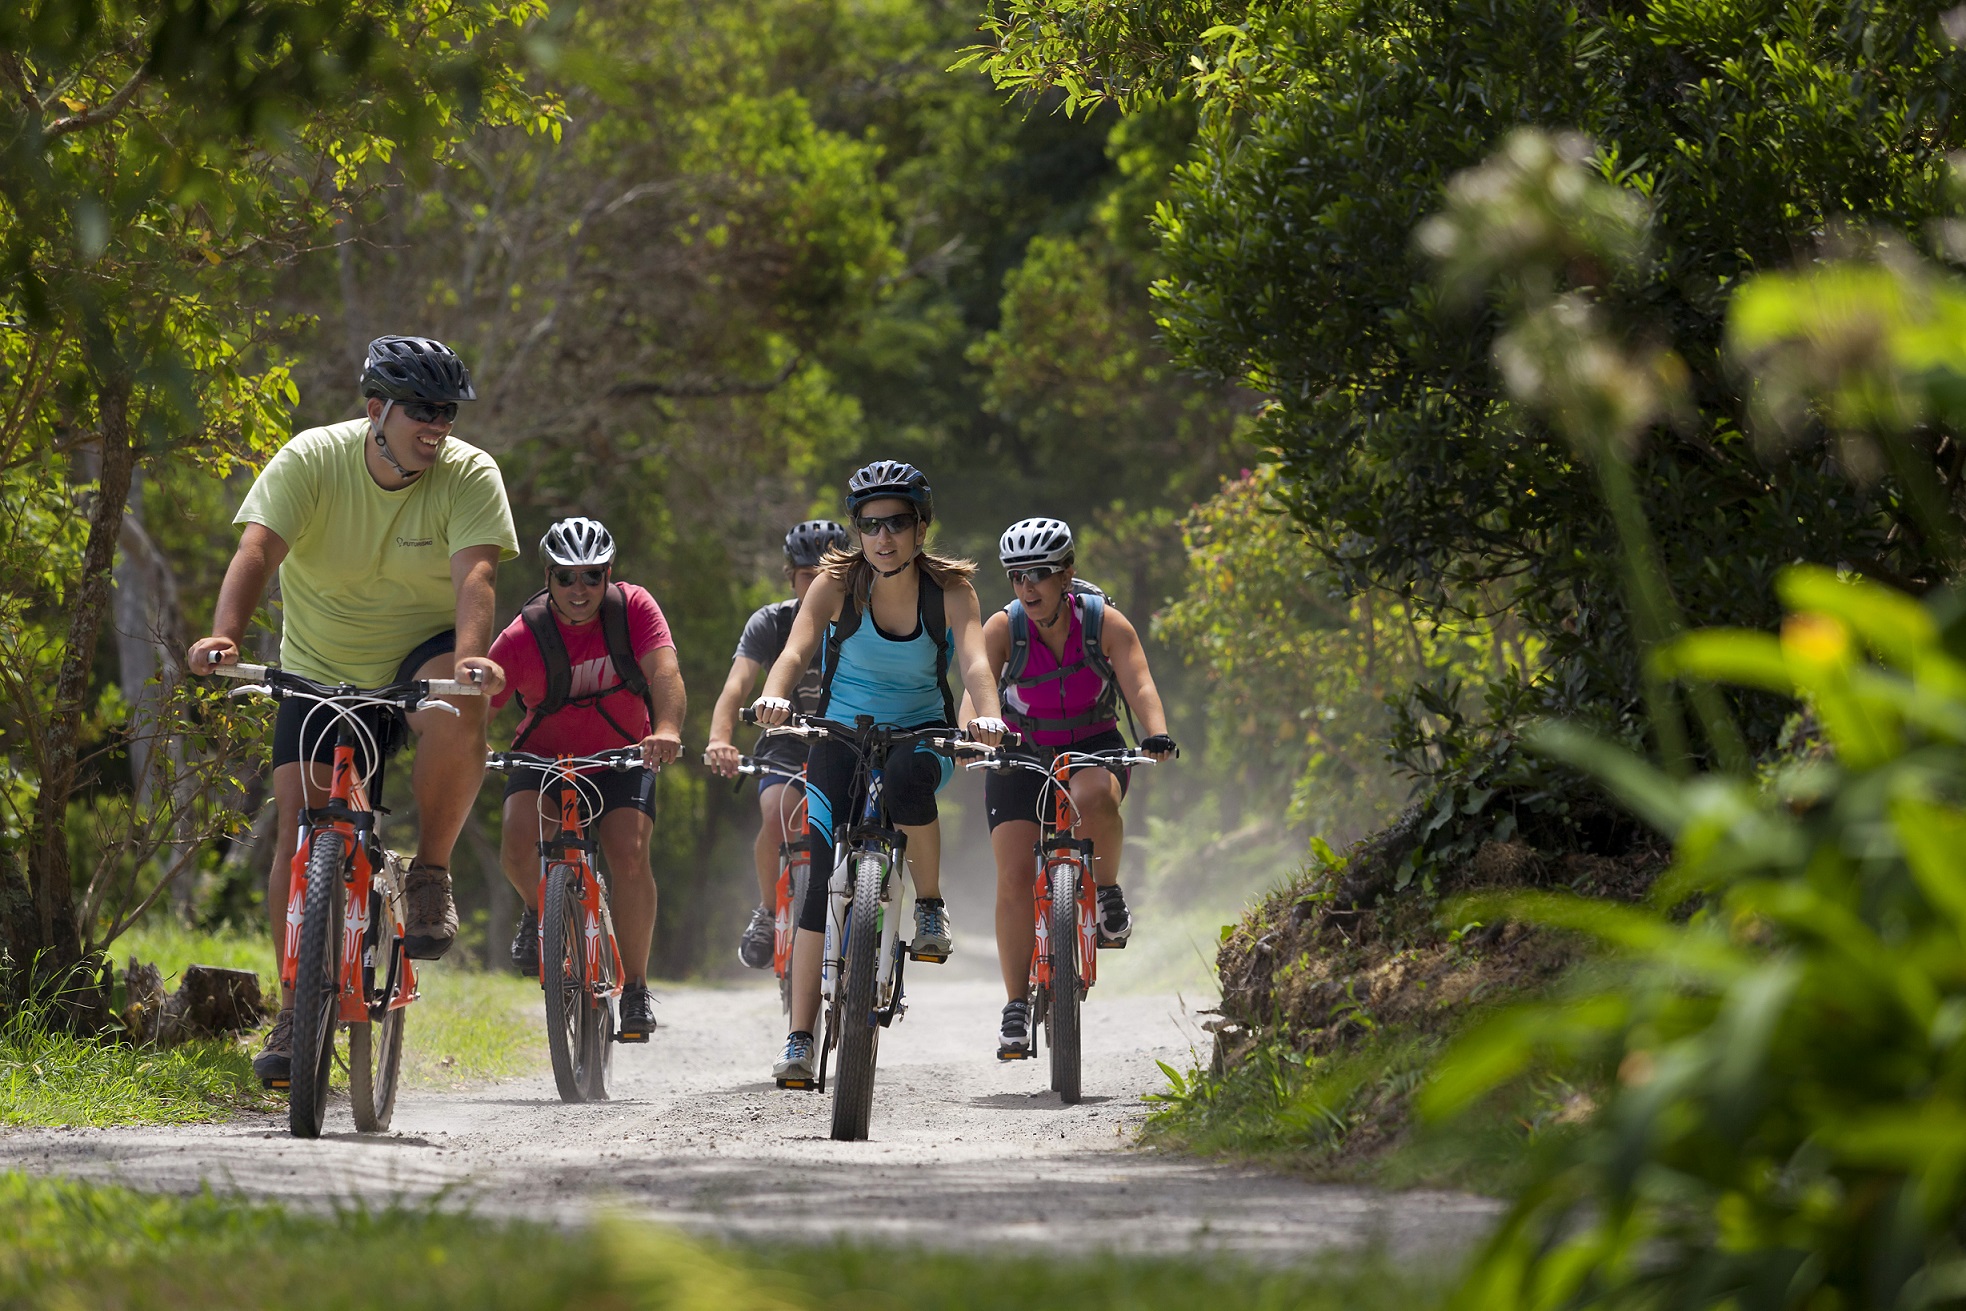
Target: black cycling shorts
x: 388, y: 725
x: 910, y: 779
x: 1014, y: 795
x: 620, y: 789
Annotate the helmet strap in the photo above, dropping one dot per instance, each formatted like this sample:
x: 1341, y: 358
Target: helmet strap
x: 382, y: 444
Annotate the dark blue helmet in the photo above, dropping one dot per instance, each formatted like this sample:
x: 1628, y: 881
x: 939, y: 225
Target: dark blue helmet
x: 885, y: 478
x: 805, y: 544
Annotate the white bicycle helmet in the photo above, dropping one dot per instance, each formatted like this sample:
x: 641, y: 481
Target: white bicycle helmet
x: 572, y: 543
x: 1036, y: 541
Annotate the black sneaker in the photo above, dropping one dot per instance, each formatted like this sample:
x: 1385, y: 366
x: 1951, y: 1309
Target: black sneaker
x: 1014, y: 1042
x: 525, y: 944
x: 637, y: 1017
x: 274, y: 1066
x: 760, y: 939
x: 1115, y: 924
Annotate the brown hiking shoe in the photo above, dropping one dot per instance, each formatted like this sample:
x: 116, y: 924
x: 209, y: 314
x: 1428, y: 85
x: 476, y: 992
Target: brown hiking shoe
x: 430, y: 913
x: 274, y: 1064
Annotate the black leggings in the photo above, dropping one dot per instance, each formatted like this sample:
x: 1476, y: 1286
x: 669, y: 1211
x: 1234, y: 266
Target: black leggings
x: 910, y: 779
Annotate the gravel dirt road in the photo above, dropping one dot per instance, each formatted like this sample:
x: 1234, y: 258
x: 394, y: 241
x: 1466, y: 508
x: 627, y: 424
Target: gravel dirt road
x: 966, y: 1152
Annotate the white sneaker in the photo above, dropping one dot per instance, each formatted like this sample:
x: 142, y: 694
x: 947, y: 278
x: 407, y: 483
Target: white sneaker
x: 1014, y: 1040
x: 795, y: 1066
x: 932, y: 941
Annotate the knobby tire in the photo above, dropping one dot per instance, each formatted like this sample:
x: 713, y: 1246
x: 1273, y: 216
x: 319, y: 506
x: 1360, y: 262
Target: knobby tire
x: 860, y: 1032
x: 317, y: 986
x: 597, y: 1015
x: 1062, y: 1024
x: 564, y: 961
x: 375, y: 1049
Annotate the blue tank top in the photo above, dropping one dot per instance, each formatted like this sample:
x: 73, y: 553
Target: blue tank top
x: 890, y: 678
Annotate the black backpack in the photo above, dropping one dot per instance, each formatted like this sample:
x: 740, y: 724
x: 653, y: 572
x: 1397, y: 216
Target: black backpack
x: 1092, y: 622
x: 935, y: 620
x: 538, y: 618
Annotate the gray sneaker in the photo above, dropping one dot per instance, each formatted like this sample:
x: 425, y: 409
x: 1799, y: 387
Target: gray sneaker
x: 1014, y: 1039
x: 932, y: 941
x: 429, y: 912
x: 760, y: 938
x: 794, y: 1068
x: 274, y: 1065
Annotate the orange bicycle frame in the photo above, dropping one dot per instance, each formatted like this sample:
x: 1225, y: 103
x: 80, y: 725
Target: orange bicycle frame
x: 791, y: 855
x: 344, y: 795
x: 1052, y: 853
x: 573, y: 839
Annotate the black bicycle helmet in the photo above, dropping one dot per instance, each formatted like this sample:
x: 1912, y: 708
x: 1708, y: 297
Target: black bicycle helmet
x: 577, y: 543
x: 1036, y: 541
x: 805, y: 544
x: 885, y: 478
x: 415, y: 369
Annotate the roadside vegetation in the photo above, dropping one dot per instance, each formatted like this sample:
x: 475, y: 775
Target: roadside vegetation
x: 468, y: 1026
x: 74, y: 1244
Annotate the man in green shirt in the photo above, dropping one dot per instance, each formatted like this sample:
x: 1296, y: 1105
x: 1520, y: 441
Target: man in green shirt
x: 387, y: 533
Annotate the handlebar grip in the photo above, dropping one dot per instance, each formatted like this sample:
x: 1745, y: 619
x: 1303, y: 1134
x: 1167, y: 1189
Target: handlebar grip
x: 747, y: 714
x: 1013, y: 738
x: 452, y: 687
x: 249, y: 673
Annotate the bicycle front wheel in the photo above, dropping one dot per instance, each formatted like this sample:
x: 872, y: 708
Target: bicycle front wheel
x: 597, y: 1016
x: 375, y: 1048
x: 1062, y: 1023
x: 860, y: 1030
x: 317, y: 985
x: 565, y: 971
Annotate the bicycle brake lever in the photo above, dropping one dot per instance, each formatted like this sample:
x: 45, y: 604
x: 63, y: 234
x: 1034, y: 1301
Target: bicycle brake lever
x: 250, y: 689
x: 430, y: 703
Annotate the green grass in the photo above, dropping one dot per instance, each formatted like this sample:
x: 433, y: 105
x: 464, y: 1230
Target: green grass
x: 65, y: 1244
x: 466, y: 1027
x: 1348, y: 1116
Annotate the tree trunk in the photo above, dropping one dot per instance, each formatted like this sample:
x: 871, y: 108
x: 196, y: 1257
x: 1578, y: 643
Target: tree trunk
x: 50, y: 945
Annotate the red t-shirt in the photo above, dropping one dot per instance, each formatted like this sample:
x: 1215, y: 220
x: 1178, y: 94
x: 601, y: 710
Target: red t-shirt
x: 579, y: 730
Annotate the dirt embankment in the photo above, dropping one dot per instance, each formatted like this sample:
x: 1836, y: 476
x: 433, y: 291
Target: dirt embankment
x: 1344, y: 952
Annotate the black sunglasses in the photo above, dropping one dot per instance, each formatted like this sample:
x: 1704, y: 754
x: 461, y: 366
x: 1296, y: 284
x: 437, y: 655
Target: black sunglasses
x: 1037, y: 573
x: 591, y: 577
x: 428, y: 412
x: 890, y: 523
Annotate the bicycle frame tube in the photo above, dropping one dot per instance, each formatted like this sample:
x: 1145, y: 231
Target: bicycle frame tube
x: 791, y: 856
x: 1057, y: 850
x: 345, y: 800
x: 572, y: 847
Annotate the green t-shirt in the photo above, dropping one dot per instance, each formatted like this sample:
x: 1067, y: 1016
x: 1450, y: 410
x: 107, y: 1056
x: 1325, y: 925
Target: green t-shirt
x: 367, y: 576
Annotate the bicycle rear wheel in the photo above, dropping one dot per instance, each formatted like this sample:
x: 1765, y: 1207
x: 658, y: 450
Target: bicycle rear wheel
x: 565, y: 970
x: 375, y: 1049
x: 1062, y: 1023
x: 317, y: 985
x: 860, y: 1032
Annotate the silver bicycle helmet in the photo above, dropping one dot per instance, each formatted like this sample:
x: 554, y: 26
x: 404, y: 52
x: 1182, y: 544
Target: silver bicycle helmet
x: 809, y: 541
x: 574, y: 542
x: 1036, y: 541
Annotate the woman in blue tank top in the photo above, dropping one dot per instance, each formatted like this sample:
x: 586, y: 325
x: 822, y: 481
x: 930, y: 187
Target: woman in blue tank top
x: 892, y: 618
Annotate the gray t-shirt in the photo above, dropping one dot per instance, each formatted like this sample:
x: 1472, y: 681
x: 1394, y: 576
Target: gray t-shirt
x: 763, y: 640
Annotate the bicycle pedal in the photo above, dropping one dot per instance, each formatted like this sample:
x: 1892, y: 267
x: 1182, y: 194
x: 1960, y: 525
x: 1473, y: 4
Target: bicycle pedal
x: 625, y: 1036
x: 276, y: 1085
x: 802, y: 1085
x: 927, y: 959
x: 1023, y: 1055
x: 1113, y: 946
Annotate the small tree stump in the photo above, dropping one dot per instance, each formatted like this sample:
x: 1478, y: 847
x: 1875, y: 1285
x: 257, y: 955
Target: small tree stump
x: 209, y: 1001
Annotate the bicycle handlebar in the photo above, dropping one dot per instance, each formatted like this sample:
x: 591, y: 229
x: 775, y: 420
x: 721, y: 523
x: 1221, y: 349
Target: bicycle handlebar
x: 1116, y: 756
x: 276, y: 682
x: 811, y: 728
x: 750, y: 768
x: 621, y: 760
